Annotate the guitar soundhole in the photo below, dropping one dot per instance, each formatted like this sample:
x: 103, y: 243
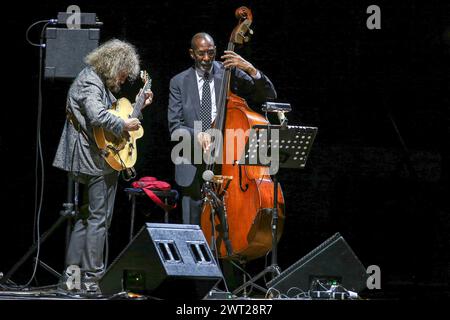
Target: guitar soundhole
x: 118, y: 142
x: 111, y: 137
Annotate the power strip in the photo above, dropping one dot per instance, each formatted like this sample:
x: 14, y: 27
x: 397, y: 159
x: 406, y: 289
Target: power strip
x: 333, y: 295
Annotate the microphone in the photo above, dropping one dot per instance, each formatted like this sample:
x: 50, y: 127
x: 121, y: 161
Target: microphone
x: 282, y: 118
x: 209, y: 176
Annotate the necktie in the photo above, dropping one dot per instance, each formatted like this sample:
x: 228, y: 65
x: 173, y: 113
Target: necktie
x: 206, y: 104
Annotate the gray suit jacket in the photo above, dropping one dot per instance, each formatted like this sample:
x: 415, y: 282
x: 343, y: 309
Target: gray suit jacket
x: 88, y: 100
x: 184, y: 104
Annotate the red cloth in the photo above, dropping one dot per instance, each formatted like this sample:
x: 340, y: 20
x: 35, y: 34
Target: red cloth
x: 151, y: 183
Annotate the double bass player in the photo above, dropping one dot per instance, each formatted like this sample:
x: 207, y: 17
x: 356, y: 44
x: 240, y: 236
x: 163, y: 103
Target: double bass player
x: 193, y: 97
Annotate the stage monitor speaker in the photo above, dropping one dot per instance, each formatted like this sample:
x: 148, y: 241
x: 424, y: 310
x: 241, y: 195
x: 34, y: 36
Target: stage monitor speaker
x: 331, y: 262
x: 166, y: 261
x: 66, y: 50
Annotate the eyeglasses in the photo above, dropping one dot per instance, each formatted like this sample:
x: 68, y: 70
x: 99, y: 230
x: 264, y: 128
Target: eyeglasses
x: 210, y: 53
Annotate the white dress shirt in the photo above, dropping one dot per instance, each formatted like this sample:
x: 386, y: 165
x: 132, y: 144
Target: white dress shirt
x: 200, y: 82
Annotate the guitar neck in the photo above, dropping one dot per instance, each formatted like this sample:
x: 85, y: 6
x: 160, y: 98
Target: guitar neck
x: 141, y: 99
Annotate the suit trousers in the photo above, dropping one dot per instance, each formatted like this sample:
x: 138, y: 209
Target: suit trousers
x: 192, y: 200
x: 87, y: 240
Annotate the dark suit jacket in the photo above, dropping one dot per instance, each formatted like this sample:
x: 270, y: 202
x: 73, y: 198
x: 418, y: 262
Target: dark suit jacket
x: 184, y: 104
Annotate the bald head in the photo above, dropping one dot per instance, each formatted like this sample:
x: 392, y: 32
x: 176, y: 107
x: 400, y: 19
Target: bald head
x: 199, y: 38
x: 203, y: 51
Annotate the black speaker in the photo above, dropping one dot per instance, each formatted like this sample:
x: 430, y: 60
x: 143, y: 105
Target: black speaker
x: 166, y: 261
x: 66, y: 49
x: 333, y: 262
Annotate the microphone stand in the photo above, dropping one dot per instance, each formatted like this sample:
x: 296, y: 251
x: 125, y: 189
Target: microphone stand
x: 217, y: 204
x: 206, y: 190
x: 70, y: 210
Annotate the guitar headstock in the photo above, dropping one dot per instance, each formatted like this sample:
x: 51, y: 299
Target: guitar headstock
x: 144, y: 76
x: 146, y: 79
x: 242, y: 32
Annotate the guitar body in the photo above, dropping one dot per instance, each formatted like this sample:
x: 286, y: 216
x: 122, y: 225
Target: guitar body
x: 120, y: 152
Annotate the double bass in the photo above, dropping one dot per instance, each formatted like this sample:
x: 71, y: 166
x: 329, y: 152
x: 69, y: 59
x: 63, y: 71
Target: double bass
x: 248, y: 195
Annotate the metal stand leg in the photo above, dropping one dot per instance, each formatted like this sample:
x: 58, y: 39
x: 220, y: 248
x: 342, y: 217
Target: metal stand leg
x: 213, y: 237
x: 48, y: 268
x: 33, y: 249
x: 66, y: 214
x: 166, y: 213
x: 133, y: 212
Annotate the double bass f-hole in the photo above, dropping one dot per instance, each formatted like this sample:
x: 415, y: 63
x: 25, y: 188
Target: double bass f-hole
x: 244, y: 189
x: 240, y: 181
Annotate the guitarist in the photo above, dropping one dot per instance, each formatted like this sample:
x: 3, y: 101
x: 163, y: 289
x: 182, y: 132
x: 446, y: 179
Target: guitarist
x: 89, y: 97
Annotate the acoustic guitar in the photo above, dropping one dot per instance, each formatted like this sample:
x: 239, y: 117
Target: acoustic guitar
x: 120, y: 152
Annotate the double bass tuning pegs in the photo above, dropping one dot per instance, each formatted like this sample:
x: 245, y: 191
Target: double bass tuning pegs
x: 247, y: 37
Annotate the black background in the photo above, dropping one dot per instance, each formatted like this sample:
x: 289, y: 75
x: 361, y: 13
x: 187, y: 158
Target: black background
x: 365, y: 90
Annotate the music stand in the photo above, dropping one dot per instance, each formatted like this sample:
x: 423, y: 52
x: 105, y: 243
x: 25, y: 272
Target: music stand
x: 291, y: 146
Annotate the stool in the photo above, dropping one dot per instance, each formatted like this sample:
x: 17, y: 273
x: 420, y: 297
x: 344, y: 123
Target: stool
x: 168, y: 196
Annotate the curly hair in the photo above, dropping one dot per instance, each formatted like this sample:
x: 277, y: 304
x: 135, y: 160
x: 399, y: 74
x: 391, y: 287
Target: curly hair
x: 112, y: 59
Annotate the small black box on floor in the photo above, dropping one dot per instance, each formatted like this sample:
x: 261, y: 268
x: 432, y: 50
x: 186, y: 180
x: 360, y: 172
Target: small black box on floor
x: 219, y: 295
x: 66, y: 49
x: 167, y: 261
x: 331, y: 263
